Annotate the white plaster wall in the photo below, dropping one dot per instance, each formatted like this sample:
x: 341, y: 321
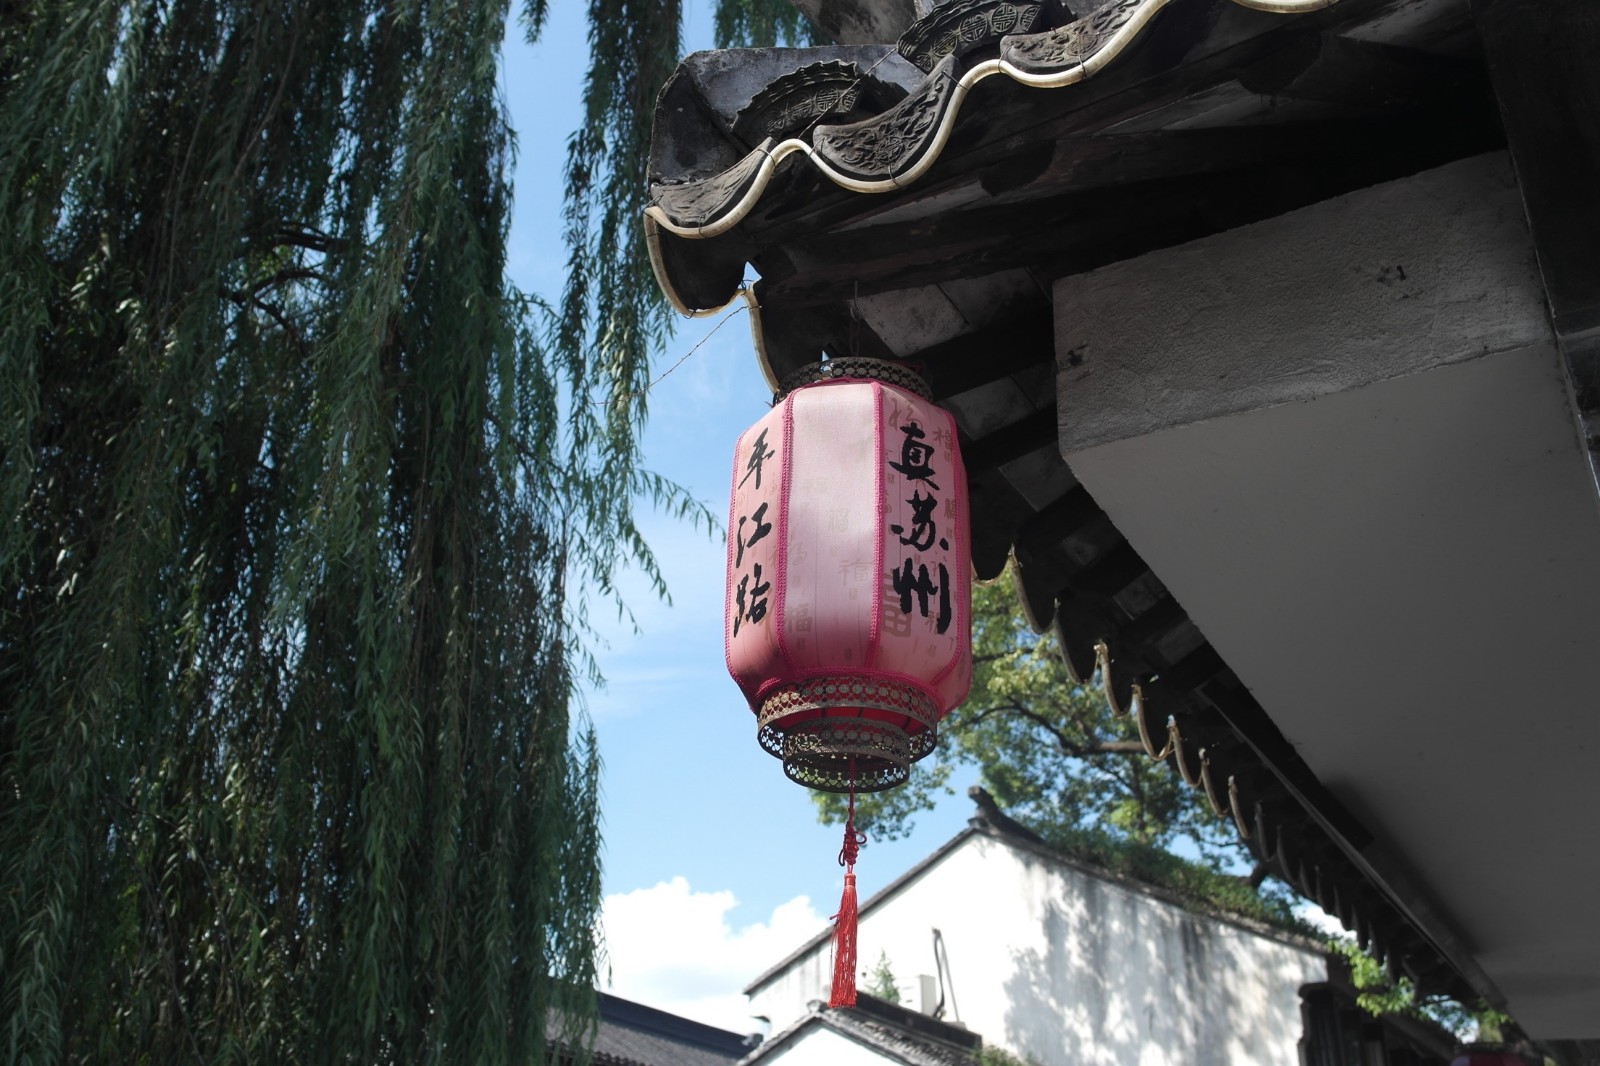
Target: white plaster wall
x: 1064, y: 968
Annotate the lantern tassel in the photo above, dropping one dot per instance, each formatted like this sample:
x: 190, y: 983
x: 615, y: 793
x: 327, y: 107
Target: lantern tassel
x: 844, y: 923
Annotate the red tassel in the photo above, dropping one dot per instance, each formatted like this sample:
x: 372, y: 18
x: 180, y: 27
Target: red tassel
x: 844, y: 947
x: 844, y: 923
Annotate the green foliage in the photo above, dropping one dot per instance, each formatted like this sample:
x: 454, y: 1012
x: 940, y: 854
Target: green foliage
x: 293, y: 489
x: 1049, y: 750
x: 1377, y: 995
x: 1191, y: 881
x: 1055, y: 758
x: 999, y: 1056
x: 880, y: 981
x: 763, y: 23
x: 611, y: 313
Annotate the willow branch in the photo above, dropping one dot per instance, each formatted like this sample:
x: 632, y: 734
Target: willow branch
x: 275, y: 313
x: 305, y: 237
x: 287, y: 274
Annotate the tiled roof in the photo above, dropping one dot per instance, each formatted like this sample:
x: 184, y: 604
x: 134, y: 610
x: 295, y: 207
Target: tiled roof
x: 896, y: 147
x: 632, y: 1034
x: 899, y: 1035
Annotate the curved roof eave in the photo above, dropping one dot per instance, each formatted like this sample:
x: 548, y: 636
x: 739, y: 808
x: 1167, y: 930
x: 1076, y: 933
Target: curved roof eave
x: 892, y: 149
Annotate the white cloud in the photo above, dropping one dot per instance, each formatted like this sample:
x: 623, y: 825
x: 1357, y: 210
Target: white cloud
x: 672, y: 948
x: 1325, y: 923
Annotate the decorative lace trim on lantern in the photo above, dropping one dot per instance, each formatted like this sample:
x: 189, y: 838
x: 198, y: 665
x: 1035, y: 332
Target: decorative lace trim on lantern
x: 854, y: 367
x: 843, y: 754
x: 816, y: 727
x: 843, y: 699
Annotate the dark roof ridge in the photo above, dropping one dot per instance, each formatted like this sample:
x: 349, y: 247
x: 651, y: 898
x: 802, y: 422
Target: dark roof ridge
x: 897, y: 146
x: 813, y: 1017
x: 634, y: 1015
x: 924, y: 1025
x: 864, y: 1024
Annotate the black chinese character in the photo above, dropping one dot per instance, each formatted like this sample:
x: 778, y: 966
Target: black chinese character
x: 907, y: 582
x: 761, y: 530
x: 757, y: 603
x: 914, y: 455
x: 759, y: 453
x: 922, y: 531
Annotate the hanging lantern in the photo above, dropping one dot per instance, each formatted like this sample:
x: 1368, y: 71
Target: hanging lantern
x: 847, y: 620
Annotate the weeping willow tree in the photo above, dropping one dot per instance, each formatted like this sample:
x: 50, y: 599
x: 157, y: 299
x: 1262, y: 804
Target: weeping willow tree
x: 295, y: 485
x: 611, y: 301
x: 292, y: 495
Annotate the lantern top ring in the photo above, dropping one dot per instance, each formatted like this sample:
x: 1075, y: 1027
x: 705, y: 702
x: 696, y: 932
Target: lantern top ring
x: 895, y: 374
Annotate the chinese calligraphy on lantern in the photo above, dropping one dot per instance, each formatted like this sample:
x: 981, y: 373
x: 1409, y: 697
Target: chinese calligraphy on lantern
x: 915, y: 456
x: 923, y: 589
x: 753, y: 608
x: 759, y: 454
x: 753, y: 590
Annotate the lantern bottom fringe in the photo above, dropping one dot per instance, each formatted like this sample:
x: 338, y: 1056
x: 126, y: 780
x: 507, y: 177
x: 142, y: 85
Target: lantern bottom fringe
x: 842, y: 754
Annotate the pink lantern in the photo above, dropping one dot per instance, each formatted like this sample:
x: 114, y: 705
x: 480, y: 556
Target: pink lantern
x: 847, y: 621
x: 848, y: 611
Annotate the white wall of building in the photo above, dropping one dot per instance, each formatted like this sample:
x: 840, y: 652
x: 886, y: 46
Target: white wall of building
x: 1067, y: 968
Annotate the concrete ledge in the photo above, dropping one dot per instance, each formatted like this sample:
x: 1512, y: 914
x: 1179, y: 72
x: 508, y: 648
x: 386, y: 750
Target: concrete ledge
x: 1430, y: 270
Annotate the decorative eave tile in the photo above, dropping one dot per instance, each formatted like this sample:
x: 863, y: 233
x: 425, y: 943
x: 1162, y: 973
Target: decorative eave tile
x: 712, y: 204
x: 1073, y: 52
x: 792, y: 104
x: 893, y: 148
x: 963, y: 26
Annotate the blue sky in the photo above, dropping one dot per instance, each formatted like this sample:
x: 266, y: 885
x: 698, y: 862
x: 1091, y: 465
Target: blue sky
x: 715, y: 864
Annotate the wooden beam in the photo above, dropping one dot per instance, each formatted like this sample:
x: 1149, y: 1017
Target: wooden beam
x: 1013, y: 441
x: 1361, y: 74
x: 1018, y: 339
x: 792, y: 337
x: 1068, y: 230
x: 1003, y: 509
x: 1542, y: 62
x: 979, y: 241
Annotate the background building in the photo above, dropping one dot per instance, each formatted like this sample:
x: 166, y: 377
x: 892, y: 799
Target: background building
x: 1065, y: 963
